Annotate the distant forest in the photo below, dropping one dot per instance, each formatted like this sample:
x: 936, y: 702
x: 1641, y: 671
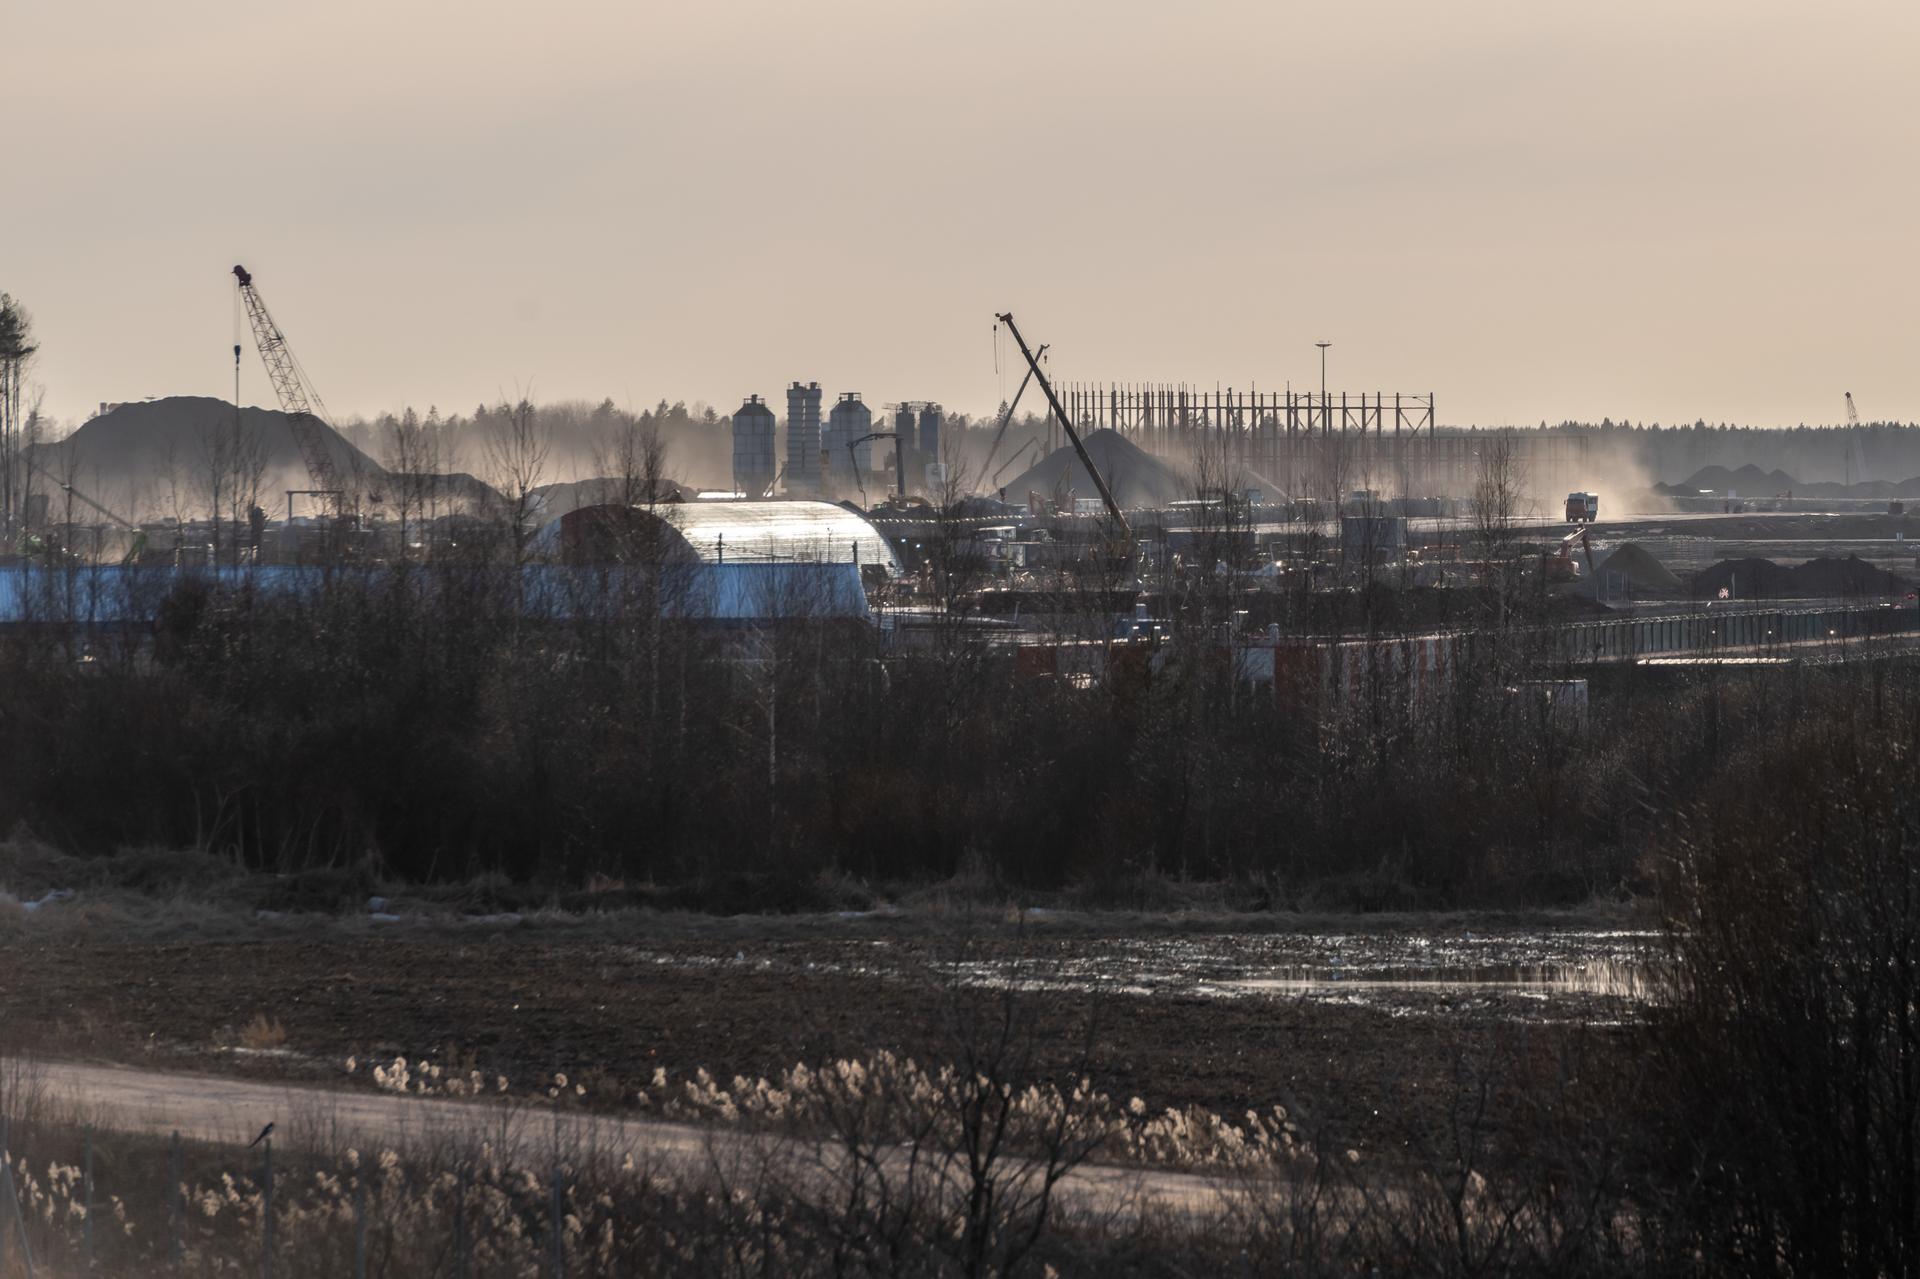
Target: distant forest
x: 1811, y: 454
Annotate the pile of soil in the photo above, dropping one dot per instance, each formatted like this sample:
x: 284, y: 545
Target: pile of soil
x: 1876, y: 490
x: 1749, y: 480
x: 1747, y: 579
x: 1137, y: 478
x: 1752, y: 579
x: 135, y: 456
x: 1850, y: 576
x: 1638, y: 566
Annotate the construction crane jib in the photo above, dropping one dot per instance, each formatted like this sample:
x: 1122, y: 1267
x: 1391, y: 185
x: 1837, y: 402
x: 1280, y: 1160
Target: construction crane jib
x: 297, y: 400
x: 1053, y: 401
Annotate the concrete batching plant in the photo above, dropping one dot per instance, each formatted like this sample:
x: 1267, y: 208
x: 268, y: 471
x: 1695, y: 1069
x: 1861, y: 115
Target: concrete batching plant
x: 803, y: 440
x: 850, y: 421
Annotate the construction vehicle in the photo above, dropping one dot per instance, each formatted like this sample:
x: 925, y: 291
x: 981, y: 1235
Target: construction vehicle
x: 1583, y: 508
x: 1856, y: 458
x: 298, y: 400
x: 1007, y: 418
x: 899, y: 461
x: 1560, y: 566
x: 1122, y: 533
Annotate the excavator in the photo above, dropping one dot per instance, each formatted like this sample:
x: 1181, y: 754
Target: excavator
x: 1559, y: 566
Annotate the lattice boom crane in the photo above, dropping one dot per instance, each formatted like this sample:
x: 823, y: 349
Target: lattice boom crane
x: 298, y: 401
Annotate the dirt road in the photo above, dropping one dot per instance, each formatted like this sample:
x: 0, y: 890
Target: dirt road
x: 222, y: 1109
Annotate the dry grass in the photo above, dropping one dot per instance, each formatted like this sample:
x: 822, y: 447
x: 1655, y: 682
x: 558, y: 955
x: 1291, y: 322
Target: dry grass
x: 890, y: 1190
x: 262, y: 1034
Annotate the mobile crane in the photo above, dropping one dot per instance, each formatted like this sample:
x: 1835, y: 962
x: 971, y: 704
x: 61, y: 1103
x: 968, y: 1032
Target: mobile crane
x: 1123, y: 533
x: 1853, y: 444
x: 1006, y: 418
x: 298, y: 400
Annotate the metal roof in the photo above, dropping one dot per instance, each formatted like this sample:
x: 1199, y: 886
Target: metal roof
x: 778, y: 532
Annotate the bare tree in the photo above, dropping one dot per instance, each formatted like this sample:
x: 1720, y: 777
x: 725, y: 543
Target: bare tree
x: 1496, y: 507
x: 1220, y: 539
x: 17, y: 349
x: 233, y: 465
x: 631, y: 459
x: 33, y: 427
x: 412, y: 459
x: 956, y: 558
x: 215, y: 466
x: 516, y: 448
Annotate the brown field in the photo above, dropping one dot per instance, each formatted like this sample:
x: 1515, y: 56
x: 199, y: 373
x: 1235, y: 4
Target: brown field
x: 609, y: 1002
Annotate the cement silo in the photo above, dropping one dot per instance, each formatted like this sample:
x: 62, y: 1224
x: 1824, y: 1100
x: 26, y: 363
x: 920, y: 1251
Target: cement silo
x: 803, y: 440
x: 849, y: 421
x: 904, y: 442
x: 930, y: 457
x: 753, y: 453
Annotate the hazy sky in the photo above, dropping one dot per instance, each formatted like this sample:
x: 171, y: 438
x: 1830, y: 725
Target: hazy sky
x: 1536, y: 209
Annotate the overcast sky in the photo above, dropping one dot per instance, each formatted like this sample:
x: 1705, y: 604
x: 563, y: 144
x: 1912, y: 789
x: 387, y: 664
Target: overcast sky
x: 1534, y: 209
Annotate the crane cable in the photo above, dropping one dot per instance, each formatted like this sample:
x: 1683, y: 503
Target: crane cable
x: 999, y: 372
x: 236, y: 346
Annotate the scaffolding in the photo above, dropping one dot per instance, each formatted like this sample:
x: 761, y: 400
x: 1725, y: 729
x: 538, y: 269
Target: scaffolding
x: 1319, y: 444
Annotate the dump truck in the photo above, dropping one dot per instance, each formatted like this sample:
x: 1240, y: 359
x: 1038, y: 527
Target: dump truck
x: 1583, y: 508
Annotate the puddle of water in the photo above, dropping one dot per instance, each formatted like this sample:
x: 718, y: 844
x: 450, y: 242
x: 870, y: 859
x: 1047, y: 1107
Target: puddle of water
x: 1528, y: 974
x: 1531, y: 975
x: 1612, y: 979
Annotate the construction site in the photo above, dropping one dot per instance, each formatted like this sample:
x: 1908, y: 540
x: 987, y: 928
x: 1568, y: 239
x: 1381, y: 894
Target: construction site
x: 1289, y: 532
x: 992, y: 641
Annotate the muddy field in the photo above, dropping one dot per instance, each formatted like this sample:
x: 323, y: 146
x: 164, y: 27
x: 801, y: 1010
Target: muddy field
x: 1363, y: 1029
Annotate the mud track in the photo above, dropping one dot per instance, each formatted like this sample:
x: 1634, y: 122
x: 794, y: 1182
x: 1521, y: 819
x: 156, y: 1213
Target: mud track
x: 228, y: 1111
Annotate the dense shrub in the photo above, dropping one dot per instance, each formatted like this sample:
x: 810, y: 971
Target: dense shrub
x: 415, y: 721
x: 1788, y: 1050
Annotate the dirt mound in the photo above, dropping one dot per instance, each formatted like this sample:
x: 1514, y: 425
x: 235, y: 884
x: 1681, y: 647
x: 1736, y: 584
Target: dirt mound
x: 1850, y: 576
x: 1748, y: 579
x: 1749, y: 480
x: 1637, y: 566
x: 1757, y: 579
x: 1136, y: 477
x: 141, y: 458
x: 1877, y: 490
